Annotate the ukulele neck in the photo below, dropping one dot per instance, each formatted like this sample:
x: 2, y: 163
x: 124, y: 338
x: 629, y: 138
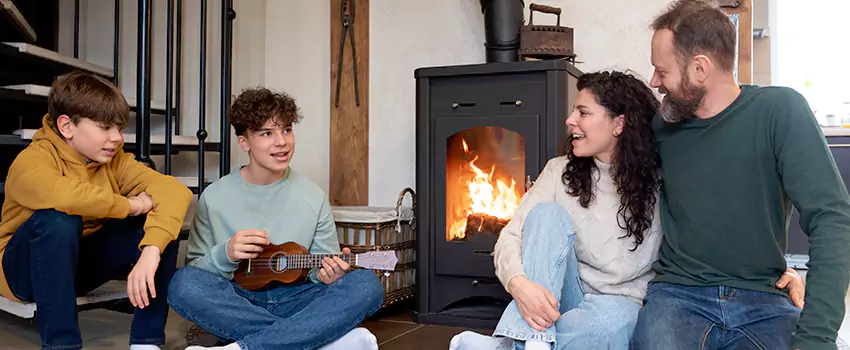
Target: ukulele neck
x: 310, y: 261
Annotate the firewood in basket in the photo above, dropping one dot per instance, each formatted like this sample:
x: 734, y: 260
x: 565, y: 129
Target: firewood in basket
x: 483, y: 224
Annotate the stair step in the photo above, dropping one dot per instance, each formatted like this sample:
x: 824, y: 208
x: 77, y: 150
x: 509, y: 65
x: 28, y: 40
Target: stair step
x: 156, y: 139
x: 11, y: 11
x: 190, y: 181
x: 30, y: 89
x: 54, y: 56
x: 41, y: 90
x: 112, y: 290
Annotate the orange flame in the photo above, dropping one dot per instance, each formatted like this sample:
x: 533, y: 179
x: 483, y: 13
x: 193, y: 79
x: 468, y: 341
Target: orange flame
x: 497, y: 199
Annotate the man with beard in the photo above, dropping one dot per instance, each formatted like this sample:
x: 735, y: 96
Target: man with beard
x: 734, y: 160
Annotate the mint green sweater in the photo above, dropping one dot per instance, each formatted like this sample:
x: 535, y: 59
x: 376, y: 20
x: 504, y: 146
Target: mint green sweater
x: 291, y: 209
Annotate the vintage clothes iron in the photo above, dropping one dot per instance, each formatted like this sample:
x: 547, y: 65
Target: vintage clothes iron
x: 545, y: 41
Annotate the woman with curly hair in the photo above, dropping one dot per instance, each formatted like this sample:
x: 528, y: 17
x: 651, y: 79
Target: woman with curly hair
x: 578, y: 253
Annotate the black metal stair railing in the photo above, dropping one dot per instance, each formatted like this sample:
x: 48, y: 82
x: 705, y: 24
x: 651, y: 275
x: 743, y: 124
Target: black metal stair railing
x: 202, y: 97
x: 77, y: 29
x: 173, y: 107
x: 169, y: 86
x: 179, y: 66
x: 228, y: 15
x: 115, y: 41
x: 143, y: 85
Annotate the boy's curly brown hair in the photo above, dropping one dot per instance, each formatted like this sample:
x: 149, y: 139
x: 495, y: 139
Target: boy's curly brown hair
x: 254, y: 107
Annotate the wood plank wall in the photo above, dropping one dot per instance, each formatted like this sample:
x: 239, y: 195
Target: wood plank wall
x: 349, y: 124
x: 745, y: 40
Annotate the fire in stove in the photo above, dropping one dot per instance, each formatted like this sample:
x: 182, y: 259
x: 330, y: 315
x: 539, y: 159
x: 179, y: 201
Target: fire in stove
x: 479, y: 201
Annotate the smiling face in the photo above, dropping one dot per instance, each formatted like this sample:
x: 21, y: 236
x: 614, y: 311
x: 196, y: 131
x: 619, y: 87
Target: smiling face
x: 674, y: 79
x: 271, y: 147
x: 96, y: 142
x: 593, y: 131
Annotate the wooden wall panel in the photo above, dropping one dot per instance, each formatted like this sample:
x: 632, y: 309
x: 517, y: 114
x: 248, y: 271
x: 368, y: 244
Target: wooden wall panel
x: 745, y: 40
x: 349, y: 124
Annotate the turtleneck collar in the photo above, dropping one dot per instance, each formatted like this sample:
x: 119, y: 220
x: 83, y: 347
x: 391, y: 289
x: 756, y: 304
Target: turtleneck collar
x: 601, y: 165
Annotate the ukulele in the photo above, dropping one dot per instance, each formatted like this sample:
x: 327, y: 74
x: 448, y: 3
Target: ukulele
x: 290, y: 262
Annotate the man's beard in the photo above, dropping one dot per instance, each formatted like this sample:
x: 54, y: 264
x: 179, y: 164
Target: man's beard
x: 675, y: 109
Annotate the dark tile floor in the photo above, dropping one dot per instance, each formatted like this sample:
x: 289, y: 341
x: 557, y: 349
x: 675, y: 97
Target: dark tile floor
x: 395, y: 329
x: 107, y: 330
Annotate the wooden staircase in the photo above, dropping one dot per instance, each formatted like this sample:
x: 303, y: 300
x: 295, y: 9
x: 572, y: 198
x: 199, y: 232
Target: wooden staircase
x: 30, y: 61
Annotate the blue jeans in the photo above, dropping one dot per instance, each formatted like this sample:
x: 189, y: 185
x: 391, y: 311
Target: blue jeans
x: 48, y: 262
x: 676, y: 316
x: 588, y: 321
x: 301, y: 315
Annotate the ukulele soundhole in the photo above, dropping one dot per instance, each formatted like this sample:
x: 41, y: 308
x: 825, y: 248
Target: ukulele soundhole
x: 278, y: 262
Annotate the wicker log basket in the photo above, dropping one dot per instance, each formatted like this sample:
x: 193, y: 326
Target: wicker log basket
x: 364, y: 229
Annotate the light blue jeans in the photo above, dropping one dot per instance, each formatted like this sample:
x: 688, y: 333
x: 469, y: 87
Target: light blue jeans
x: 588, y: 321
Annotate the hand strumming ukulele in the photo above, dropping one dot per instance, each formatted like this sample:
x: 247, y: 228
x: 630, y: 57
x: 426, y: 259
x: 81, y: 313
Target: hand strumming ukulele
x: 290, y: 262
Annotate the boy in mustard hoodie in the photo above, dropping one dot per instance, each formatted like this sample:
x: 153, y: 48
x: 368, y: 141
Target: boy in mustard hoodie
x: 79, y: 211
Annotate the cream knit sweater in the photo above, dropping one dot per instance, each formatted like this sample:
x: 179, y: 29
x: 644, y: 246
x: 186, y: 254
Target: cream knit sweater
x: 605, y: 263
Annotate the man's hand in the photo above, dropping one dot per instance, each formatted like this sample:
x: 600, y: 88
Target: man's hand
x: 141, y: 204
x: 141, y: 279
x: 796, y: 287
x: 333, y: 269
x: 247, y: 244
x: 536, y: 304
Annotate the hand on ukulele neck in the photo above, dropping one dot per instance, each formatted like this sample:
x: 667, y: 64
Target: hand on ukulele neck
x: 333, y: 268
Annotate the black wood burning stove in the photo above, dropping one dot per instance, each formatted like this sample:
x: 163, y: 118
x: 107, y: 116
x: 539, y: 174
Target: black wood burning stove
x: 483, y: 134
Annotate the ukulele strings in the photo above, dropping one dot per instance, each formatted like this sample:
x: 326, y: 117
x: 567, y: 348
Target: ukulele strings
x: 294, y: 261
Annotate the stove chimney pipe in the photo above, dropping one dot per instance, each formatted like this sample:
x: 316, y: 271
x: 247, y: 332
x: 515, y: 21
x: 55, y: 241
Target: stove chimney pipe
x: 502, y: 22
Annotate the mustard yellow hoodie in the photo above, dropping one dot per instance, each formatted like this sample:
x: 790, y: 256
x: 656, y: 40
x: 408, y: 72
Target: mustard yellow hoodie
x: 49, y: 174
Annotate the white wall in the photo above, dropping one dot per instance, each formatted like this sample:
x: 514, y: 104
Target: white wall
x: 297, y: 54
x: 285, y: 45
x: 404, y: 35
x: 248, y: 67
x: 610, y: 34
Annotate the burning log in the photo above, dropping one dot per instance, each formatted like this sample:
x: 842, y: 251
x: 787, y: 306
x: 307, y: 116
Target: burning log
x: 477, y: 223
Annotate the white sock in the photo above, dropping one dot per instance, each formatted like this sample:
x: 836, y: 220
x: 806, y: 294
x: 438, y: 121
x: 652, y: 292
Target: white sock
x: 357, y: 339
x: 144, y: 347
x: 469, y: 340
x: 231, y: 346
x: 537, y: 345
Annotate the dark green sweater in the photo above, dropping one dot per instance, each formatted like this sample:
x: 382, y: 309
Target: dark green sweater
x: 729, y: 183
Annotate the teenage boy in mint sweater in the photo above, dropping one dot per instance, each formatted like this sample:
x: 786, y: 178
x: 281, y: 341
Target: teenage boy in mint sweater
x: 267, y: 202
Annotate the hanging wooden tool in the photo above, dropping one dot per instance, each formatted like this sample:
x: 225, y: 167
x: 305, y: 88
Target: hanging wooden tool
x: 349, y: 102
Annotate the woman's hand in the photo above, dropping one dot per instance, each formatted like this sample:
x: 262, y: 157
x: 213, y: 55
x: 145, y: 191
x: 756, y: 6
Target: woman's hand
x: 796, y: 287
x: 536, y: 304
